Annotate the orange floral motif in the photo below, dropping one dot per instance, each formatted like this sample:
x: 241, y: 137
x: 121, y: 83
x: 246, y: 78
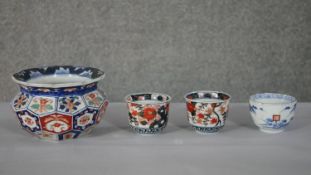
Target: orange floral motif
x: 209, y: 111
x: 213, y: 120
x: 43, y: 103
x: 201, y: 116
x: 133, y: 104
x: 56, y: 123
x: 94, y: 99
x: 134, y: 113
x: 59, y: 117
x: 29, y: 121
x: 70, y: 104
x: 84, y: 120
x: 92, y: 95
x: 149, y: 113
x: 222, y: 110
x: 190, y: 107
x: 20, y: 101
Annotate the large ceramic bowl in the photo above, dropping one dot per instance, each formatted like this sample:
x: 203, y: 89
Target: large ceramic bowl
x: 59, y: 102
x: 272, y: 112
x: 207, y: 110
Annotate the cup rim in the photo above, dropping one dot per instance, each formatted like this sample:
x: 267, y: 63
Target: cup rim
x: 205, y: 91
x: 290, y: 99
x: 20, y: 79
x: 138, y: 93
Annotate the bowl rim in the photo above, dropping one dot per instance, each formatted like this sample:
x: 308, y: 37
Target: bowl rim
x: 138, y: 93
x: 292, y: 100
x: 100, y: 75
x: 206, y: 91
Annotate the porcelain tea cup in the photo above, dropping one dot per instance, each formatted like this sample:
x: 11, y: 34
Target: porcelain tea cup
x: 148, y: 112
x: 272, y: 112
x: 207, y: 110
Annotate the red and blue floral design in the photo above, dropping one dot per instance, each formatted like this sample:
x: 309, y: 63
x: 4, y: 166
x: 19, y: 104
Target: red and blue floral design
x: 70, y: 104
x: 59, y: 113
x: 207, y: 110
x: 148, y: 112
x: 21, y: 101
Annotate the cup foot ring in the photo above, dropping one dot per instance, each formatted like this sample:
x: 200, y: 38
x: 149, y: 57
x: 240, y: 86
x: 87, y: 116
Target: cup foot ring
x: 271, y: 131
x: 147, y: 131
x: 207, y: 130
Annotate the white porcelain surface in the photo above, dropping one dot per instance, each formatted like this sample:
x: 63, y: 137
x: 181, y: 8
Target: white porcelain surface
x: 58, y: 79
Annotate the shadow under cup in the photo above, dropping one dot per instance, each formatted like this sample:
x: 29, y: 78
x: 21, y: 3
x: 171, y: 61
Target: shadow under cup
x: 148, y: 112
x: 207, y: 110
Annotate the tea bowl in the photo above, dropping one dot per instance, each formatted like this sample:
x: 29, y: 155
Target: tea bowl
x: 59, y: 102
x: 207, y: 110
x: 272, y: 112
x: 148, y: 112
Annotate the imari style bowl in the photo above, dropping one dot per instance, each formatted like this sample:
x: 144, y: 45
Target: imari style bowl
x: 272, y: 112
x: 207, y: 110
x: 148, y: 112
x: 59, y: 102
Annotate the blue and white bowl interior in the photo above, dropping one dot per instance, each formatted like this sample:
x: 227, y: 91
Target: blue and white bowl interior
x: 58, y: 76
x: 271, y: 110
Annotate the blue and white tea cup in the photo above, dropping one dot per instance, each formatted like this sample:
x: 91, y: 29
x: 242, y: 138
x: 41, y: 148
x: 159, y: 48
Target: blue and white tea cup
x: 272, y: 112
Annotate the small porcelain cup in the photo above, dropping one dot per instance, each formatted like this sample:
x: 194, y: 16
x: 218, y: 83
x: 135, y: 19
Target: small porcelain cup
x: 207, y: 110
x: 148, y: 112
x: 272, y: 112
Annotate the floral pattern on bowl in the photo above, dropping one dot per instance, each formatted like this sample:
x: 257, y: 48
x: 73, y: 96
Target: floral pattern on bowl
x: 148, y: 112
x: 207, y: 110
x: 58, y: 110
